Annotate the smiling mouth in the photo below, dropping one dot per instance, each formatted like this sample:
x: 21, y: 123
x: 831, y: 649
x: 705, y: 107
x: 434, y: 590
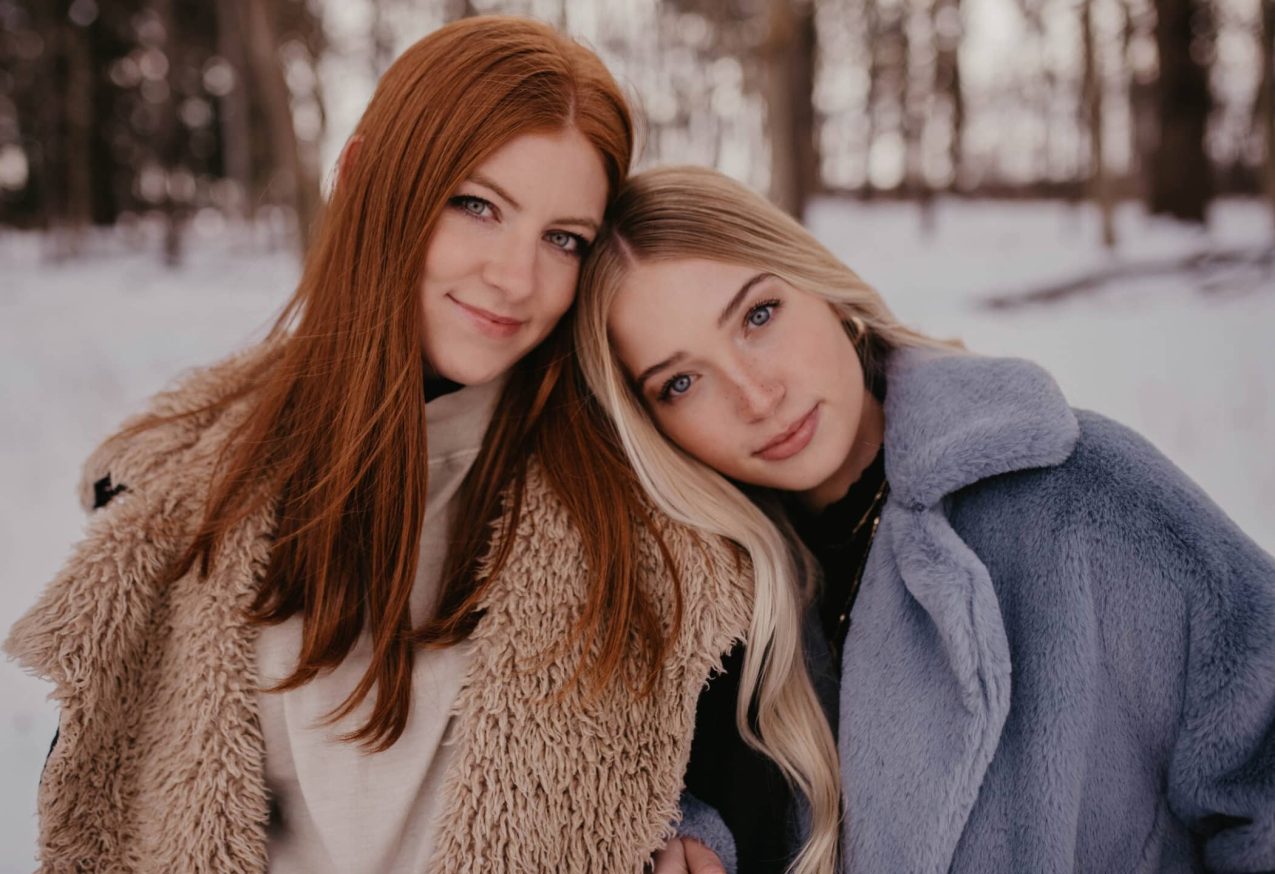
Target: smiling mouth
x: 792, y: 439
x: 488, y: 322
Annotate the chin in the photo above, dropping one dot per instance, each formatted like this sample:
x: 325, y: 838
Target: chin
x: 808, y: 478
x: 470, y: 372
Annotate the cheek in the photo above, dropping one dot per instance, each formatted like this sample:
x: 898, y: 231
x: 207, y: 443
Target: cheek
x: 434, y: 276
x: 441, y: 243
x: 703, y: 434
x: 566, y: 294
x: 557, y: 292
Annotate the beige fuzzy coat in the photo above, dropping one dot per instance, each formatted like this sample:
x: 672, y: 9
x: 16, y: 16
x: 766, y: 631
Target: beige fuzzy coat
x: 159, y: 762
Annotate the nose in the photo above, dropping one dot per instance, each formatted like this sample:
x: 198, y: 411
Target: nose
x: 511, y: 266
x: 758, y: 391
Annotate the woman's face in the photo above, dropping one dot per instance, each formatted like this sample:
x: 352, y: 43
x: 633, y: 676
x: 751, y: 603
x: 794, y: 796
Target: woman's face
x: 502, y: 264
x: 744, y: 372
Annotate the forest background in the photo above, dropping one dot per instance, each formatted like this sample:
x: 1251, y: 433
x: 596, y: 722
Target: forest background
x: 1088, y: 183
x: 117, y: 112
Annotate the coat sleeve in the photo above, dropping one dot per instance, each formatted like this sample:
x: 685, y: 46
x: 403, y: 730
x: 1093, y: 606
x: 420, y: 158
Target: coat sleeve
x: 1221, y: 778
x: 703, y: 823
x: 103, y: 491
x: 1220, y: 771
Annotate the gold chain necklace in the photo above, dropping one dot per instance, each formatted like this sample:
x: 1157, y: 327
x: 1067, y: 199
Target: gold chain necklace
x: 874, y: 514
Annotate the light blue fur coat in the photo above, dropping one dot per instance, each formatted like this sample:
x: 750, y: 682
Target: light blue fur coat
x: 1062, y: 657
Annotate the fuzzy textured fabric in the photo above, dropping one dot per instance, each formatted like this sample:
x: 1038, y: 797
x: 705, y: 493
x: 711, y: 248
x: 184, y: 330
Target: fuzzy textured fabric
x: 159, y: 761
x: 1063, y: 654
x: 702, y: 823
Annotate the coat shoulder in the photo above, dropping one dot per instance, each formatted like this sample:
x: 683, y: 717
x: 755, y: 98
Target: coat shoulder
x: 1116, y: 502
x: 194, y: 415
x: 1112, y: 473
x: 1116, y: 478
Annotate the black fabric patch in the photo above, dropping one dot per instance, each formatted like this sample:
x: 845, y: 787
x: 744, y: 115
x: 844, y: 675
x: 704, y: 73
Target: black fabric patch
x: 103, y: 491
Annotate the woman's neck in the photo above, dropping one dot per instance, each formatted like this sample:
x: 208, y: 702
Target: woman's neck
x: 866, y: 445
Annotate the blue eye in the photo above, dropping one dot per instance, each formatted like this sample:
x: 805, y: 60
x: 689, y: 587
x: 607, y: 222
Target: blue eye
x: 572, y: 244
x: 676, y: 386
x: 761, y: 313
x: 471, y: 205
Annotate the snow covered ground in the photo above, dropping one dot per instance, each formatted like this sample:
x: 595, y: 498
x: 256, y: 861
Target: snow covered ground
x: 1186, y: 358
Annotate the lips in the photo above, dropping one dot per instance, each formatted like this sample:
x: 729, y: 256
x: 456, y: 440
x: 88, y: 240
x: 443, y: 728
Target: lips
x: 487, y: 322
x: 792, y: 439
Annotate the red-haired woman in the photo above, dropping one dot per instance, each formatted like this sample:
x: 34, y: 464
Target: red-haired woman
x: 380, y: 594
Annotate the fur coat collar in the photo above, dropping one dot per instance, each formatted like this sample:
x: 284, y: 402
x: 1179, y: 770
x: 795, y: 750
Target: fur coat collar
x: 951, y: 421
x: 159, y: 762
x: 1061, y: 656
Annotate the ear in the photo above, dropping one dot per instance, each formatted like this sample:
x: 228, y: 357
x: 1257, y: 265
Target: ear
x: 349, y: 158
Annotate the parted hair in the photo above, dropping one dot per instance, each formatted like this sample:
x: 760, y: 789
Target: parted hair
x: 337, y: 432
x: 693, y: 212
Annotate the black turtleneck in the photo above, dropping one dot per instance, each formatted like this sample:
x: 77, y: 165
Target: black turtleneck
x: 745, y: 787
x: 838, y: 537
x: 436, y: 387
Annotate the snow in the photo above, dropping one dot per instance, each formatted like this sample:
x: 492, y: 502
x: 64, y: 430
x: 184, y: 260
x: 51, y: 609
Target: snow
x: 1184, y: 357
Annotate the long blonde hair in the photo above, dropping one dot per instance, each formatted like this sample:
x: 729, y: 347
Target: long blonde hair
x: 693, y: 212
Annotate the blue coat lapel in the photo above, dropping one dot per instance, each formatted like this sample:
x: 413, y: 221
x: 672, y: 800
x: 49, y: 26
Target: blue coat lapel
x: 926, y: 675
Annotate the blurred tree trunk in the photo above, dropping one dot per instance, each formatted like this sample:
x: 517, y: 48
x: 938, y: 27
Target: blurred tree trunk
x: 948, y: 31
x: 1266, y: 93
x: 382, y: 39
x: 235, y: 115
x: 789, y: 52
x: 53, y: 151
x: 912, y: 100
x: 1091, y: 101
x: 872, y: 124
x: 79, y: 122
x: 458, y: 9
x: 1142, y: 110
x: 1181, y: 181
x: 103, y: 172
x: 168, y: 140
x: 302, y: 185
x: 48, y: 126
x: 915, y: 98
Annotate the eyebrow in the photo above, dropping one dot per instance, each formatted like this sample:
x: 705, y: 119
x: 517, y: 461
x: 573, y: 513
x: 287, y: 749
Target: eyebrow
x: 487, y: 182
x: 656, y: 368
x: 721, y: 320
x: 739, y: 297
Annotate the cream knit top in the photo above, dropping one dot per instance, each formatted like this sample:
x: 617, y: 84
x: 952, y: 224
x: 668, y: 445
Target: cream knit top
x: 335, y: 807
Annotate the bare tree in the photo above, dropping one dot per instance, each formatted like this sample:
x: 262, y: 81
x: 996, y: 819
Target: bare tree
x: 168, y: 144
x: 887, y: 48
x: 1092, y: 105
x: 301, y: 181
x: 454, y: 10
x: 1143, y: 123
x: 789, y: 53
x: 382, y: 35
x: 1181, y: 181
x: 872, y: 124
x: 235, y: 115
x: 945, y: 17
x: 1266, y: 96
x: 79, y: 120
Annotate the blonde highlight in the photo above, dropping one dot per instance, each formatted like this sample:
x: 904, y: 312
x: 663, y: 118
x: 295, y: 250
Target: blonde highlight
x: 691, y: 212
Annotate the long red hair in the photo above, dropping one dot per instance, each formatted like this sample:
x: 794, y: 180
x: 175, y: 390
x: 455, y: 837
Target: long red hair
x: 337, y: 434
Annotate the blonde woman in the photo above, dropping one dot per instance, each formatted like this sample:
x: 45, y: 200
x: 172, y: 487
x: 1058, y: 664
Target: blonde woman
x: 1049, y: 651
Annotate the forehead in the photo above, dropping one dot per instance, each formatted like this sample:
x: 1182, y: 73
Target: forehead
x: 666, y: 306
x: 686, y: 285
x: 558, y: 171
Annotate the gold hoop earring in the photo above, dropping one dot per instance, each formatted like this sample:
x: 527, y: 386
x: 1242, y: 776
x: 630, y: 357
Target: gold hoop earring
x: 857, y: 329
